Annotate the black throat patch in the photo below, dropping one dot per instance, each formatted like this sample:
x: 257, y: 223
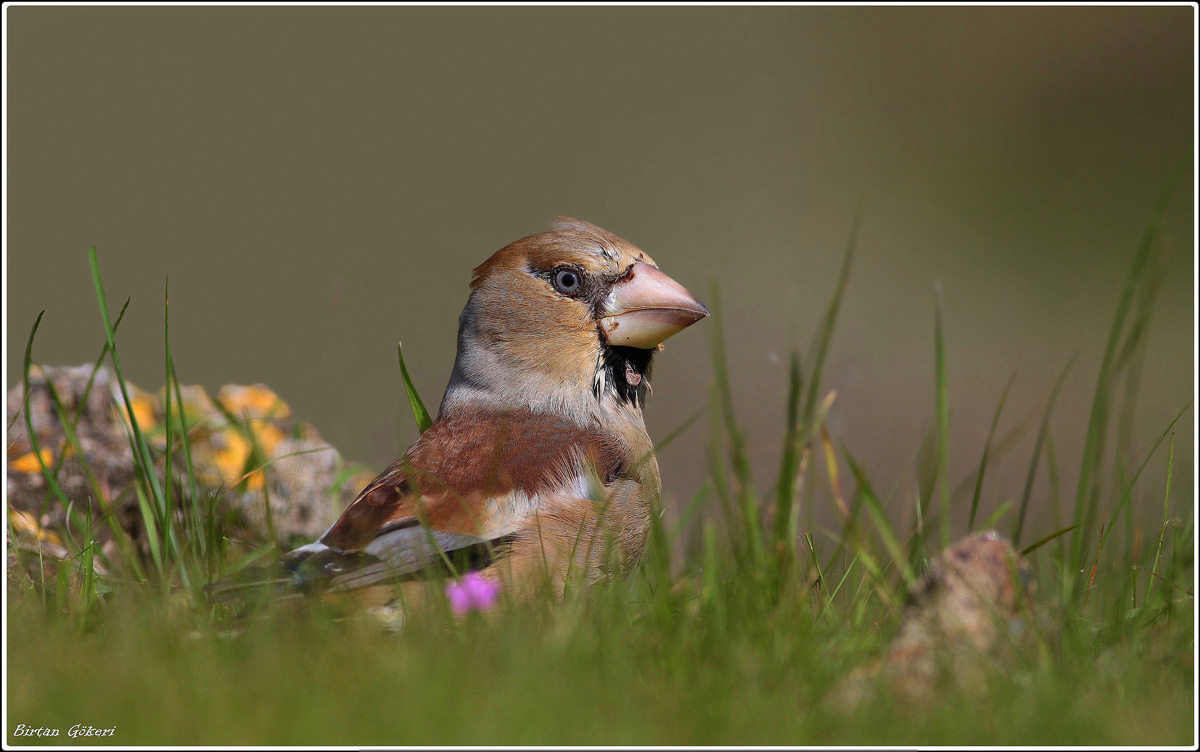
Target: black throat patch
x: 626, y: 371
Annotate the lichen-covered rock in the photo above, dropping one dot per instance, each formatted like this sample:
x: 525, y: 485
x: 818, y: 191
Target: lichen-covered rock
x: 307, y: 486
x: 962, y: 619
x: 246, y: 448
x: 105, y: 450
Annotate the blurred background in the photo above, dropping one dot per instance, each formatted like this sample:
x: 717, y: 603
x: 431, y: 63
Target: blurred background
x: 318, y: 183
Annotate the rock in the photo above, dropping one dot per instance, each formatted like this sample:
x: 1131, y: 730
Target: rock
x: 105, y: 450
x: 963, y: 618
x: 303, y: 489
x: 246, y: 448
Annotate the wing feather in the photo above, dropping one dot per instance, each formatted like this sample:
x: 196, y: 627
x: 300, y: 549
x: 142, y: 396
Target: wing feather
x: 474, y: 475
x: 467, y: 486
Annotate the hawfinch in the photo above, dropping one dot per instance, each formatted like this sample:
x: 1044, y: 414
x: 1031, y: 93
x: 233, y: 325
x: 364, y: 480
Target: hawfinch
x: 538, y: 465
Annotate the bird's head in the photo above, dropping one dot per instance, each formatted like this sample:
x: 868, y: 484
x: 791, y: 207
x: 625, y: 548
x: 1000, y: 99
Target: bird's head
x: 566, y: 316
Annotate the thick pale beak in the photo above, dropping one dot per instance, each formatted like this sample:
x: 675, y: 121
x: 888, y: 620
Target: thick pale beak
x: 647, y: 307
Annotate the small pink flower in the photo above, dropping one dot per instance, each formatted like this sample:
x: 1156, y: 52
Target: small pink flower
x: 471, y: 593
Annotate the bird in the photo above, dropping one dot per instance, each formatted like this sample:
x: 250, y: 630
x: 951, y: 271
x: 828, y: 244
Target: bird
x: 538, y: 466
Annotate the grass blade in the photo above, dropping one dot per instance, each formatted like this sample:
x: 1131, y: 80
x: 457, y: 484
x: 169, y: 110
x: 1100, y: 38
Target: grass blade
x: 926, y: 475
x: 1037, y: 453
x: 825, y: 334
x: 785, y: 486
x: 168, y: 514
x: 420, y: 414
x: 1055, y: 496
x: 120, y: 535
x: 87, y: 389
x: 669, y: 438
x: 823, y: 338
x: 837, y: 589
x: 688, y: 510
x: 943, y: 416
x: 1166, y: 520
x: 987, y: 447
x: 888, y: 533
x: 1129, y: 486
x: 197, y: 532
x: 141, y: 450
x: 1035, y: 546
x: 1087, y: 496
x: 743, y: 490
x: 88, y: 568
x: 51, y: 481
x: 716, y: 448
x: 874, y: 572
x: 995, y: 516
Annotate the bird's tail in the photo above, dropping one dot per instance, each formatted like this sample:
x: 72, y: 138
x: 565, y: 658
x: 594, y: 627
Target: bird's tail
x: 253, y: 582
x: 309, y: 570
x: 317, y: 569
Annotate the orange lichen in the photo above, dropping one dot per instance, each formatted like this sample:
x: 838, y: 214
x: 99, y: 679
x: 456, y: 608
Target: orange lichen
x: 253, y: 402
x: 268, y: 437
x: 26, y: 525
x: 143, y: 407
x: 28, y: 463
x: 231, y: 458
x: 256, y: 480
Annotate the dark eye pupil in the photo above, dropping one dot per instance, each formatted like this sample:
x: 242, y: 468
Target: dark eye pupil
x: 566, y: 281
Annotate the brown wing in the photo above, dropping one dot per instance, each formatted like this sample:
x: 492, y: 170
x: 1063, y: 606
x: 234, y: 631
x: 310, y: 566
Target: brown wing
x: 467, y: 472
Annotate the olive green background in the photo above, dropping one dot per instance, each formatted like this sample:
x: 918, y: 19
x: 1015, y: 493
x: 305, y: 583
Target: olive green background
x: 318, y: 182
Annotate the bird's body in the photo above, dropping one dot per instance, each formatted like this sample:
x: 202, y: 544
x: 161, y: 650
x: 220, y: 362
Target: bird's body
x: 538, y: 464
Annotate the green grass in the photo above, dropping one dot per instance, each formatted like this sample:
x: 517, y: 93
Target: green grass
x: 730, y: 631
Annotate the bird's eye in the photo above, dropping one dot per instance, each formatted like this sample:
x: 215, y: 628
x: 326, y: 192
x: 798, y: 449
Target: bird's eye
x: 566, y: 281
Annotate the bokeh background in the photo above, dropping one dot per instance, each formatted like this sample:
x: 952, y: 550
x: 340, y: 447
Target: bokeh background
x: 318, y: 183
